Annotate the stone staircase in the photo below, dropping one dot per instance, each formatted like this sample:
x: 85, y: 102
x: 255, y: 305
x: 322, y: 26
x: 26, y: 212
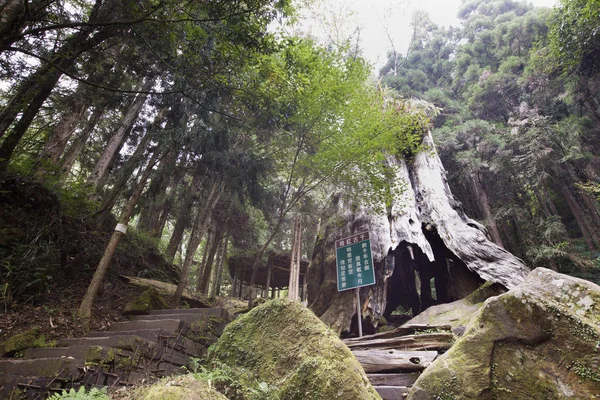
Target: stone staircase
x: 146, y: 347
x: 394, y: 360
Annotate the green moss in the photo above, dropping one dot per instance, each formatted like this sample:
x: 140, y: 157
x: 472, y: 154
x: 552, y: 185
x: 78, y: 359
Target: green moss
x: 283, y: 344
x: 150, y: 299
x: 583, y: 369
x: 94, y: 353
x: 183, y: 388
x: 21, y: 341
x: 529, y: 343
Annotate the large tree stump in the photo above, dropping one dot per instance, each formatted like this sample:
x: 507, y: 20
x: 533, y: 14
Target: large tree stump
x: 426, y: 250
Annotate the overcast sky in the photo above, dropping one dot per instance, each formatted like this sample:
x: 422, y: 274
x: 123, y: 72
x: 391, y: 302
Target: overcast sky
x: 384, y: 21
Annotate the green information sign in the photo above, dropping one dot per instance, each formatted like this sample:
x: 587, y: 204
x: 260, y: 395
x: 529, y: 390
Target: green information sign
x: 354, y: 262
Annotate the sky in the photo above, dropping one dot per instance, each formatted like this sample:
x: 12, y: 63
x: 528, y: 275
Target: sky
x: 383, y: 22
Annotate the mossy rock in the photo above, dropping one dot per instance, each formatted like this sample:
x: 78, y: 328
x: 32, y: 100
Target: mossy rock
x: 180, y: 388
x: 458, y: 313
x: 22, y: 341
x: 150, y: 299
x: 284, y: 345
x: 539, y: 341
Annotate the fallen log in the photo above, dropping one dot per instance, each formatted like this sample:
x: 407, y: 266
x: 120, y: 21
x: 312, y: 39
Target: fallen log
x: 395, y: 379
x: 394, y: 360
x: 401, y: 331
x: 428, y: 341
x: 168, y: 289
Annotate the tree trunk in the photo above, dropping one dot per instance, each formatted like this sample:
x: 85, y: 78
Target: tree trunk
x: 73, y: 152
x: 580, y: 217
x: 426, y: 217
x: 34, y: 91
x: 219, y: 278
x: 294, y: 283
x: 198, y: 230
x: 256, y: 259
x: 99, y: 174
x: 210, y: 237
x: 56, y: 143
x: 85, y: 309
x: 208, y: 267
x: 234, y: 283
x: 183, y: 216
x: 14, y: 15
x: 156, y: 194
x: 125, y: 172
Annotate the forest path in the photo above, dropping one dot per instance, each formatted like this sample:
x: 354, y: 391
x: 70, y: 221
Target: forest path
x: 393, y: 360
x: 148, y: 346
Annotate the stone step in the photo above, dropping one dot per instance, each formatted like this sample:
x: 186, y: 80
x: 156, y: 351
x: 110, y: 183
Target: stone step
x: 392, y: 392
x: 10, y: 383
x: 171, y: 325
x: 211, y: 312
x: 201, y: 323
x: 62, y: 367
x: 160, y: 339
x: 393, y: 379
x: 87, y: 353
x: 131, y: 342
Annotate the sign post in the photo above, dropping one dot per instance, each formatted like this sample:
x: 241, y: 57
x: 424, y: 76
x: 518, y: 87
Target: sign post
x: 355, y: 268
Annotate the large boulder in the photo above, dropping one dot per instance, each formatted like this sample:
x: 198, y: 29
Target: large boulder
x: 540, y: 340
x: 148, y: 300
x: 284, y: 346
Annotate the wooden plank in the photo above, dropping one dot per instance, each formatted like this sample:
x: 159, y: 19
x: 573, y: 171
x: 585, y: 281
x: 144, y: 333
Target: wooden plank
x: 397, y: 379
x: 428, y: 341
x: 392, y: 392
x: 394, y: 360
x: 401, y: 331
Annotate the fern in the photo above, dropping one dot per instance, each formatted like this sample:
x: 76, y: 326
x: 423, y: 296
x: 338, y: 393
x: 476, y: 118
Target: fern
x: 93, y: 394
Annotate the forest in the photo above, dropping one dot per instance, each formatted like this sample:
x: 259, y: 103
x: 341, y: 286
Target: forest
x: 196, y: 142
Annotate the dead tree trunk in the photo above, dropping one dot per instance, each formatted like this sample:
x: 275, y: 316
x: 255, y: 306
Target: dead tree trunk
x: 425, y: 236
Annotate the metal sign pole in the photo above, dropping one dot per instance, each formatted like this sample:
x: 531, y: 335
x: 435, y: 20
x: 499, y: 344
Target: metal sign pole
x: 358, y: 311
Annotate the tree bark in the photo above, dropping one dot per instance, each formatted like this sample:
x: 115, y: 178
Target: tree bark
x: 85, y: 309
x: 99, y: 174
x: 198, y: 231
